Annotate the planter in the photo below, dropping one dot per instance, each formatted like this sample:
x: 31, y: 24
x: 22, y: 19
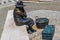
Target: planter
x: 41, y: 22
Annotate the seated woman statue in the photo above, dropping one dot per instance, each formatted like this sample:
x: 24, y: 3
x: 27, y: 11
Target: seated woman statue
x: 20, y: 17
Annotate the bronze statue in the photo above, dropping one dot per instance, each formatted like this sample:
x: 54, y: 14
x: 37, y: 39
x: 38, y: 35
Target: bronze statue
x: 20, y: 17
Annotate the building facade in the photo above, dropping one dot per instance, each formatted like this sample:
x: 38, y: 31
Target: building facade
x: 27, y: 0
x: 1, y: 1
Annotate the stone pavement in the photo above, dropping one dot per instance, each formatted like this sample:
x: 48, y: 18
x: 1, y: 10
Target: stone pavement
x: 54, y: 19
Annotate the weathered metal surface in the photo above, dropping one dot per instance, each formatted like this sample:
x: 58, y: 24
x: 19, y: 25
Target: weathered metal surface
x: 20, y: 17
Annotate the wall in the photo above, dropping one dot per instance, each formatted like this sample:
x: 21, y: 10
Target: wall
x: 56, y: 0
x: 46, y: 0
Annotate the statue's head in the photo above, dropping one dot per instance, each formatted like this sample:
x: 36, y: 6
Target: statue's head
x: 19, y: 4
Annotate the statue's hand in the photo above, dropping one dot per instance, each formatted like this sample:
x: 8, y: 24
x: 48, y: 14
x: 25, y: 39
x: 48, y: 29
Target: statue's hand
x: 20, y: 13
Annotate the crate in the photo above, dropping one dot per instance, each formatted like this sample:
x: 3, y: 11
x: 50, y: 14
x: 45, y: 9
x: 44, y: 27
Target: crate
x: 48, y: 32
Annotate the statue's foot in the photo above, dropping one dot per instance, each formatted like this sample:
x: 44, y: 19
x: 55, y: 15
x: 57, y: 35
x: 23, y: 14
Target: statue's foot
x: 31, y: 31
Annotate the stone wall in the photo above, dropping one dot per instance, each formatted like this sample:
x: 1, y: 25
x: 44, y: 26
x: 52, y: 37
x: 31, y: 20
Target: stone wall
x: 33, y: 0
x: 46, y: 0
x: 38, y: 0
